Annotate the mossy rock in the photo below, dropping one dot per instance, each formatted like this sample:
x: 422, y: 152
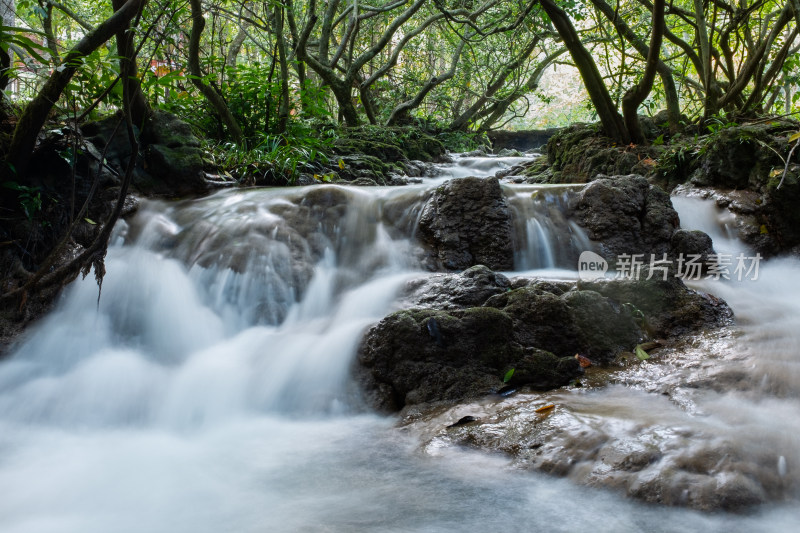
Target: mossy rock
x: 167, y: 129
x: 579, y: 153
x: 177, y: 171
x: 389, y: 144
x: 425, y: 355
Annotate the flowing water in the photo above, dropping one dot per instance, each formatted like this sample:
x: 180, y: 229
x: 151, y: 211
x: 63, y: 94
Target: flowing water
x: 209, y: 390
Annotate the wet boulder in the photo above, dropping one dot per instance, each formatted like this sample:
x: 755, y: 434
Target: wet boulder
x: 575, y: 321
x: 448, y: 349
x: 691, y: 242
x: 424, y: 355
x: 667, y: 307
x: 468, y: 222
x: 470, y: 288
x: 626, y: 215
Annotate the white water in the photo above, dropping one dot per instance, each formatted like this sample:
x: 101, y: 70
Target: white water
x: 209, y: 391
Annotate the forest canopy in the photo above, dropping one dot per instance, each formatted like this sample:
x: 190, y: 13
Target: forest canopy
x: 251, y: 73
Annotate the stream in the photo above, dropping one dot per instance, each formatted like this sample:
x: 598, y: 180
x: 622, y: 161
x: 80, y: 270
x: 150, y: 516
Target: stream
x: 209, y: 390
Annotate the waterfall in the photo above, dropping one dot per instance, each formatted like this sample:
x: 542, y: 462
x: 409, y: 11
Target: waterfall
x: 210, y: 389
x: 545, y: 237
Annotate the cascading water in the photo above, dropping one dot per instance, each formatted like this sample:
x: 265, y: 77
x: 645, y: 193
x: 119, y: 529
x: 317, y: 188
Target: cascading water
x: 209, y: 391
x: 545, y: 238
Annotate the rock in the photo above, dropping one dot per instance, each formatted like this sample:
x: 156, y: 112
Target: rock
x: 468, y: 222
x: 572, y: 322
x: 478, y: 152
x: 420, y: 169
x: 389, y: 144
x: 168, y: 130
x: 579, y: 153
x: 424, y: 355
x: 363, y: 182
x: 174, y: 163
x: 668, y: 306
x: 175, y: 170
x: 690, y: 244
x: 470, y: 288
x: 734, y: 158
x: 451, y: 349
x: 306, y: 179
x: 626, y: 215
x: 783, y: 219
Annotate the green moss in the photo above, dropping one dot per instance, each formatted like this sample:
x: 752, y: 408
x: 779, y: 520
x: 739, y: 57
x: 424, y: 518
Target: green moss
x: 389, y: 144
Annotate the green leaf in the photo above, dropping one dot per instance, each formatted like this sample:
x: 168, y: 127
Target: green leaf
x: 90, y: 221
x: 641, y: 354
x: 508, y: 376
x: 794, y: 137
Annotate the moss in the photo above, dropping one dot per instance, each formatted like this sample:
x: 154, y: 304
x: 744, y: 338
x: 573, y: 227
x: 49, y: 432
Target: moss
x: 389, y: 144
x: 579, y: 153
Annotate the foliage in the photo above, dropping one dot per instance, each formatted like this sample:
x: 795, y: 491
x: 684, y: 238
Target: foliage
x: 30, y: 198
x: 273, y: 159
x: 463, y: 141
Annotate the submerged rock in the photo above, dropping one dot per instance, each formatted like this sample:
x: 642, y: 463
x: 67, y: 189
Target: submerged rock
x: 468, y: 222
x: 647, y: 437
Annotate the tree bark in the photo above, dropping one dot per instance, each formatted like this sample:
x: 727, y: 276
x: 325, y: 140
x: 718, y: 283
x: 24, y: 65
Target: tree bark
x: 213, y: 97
x: 664, y: 72
x: 283, y: 106
x: 139, y: 109
x: 638, y: 93
x: 35, y: 113
x: 610, y: 118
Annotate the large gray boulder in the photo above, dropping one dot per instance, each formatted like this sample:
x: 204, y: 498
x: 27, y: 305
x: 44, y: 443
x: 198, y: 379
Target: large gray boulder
x: 467, y: 222
x: 458, y: 343
x: 626, y: 215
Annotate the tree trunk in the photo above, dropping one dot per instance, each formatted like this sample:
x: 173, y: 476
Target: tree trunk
x: 636, y: 95
x: 213, y: 97
x: 664, y: 72
x: 283, y: 106
x: 401, y: 111
x: 236, y: 45
x: 125, y: 48
x: 47, y: 26
x: 35, y: 113
x: 463, y: 120
x: 610, y: 118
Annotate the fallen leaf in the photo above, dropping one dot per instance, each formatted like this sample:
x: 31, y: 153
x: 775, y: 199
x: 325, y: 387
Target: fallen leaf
x: 584, y: 361
x: 652, y: 345
x: 641, y: 354
x: 545, y: 408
